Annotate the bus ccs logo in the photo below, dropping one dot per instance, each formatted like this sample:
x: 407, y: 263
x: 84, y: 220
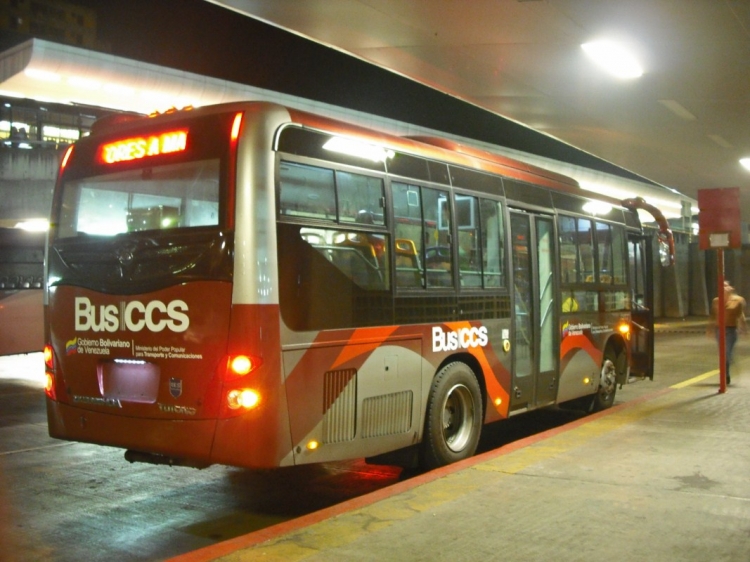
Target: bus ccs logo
x: 463, y: 338
x: 131, y: 316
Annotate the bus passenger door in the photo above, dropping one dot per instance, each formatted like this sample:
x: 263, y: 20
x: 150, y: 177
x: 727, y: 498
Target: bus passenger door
x: 641, y: 303
x: 535, y: 338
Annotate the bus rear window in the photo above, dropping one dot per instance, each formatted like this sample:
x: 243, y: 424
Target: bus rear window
x: 184, y: 195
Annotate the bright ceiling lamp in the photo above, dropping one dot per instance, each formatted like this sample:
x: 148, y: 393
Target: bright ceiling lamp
x: 745, y: 163
x: 613, y: 58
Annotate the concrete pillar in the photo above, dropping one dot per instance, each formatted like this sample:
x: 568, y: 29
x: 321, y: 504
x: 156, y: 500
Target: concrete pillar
x: 675, y: 280
x: 699, y: 303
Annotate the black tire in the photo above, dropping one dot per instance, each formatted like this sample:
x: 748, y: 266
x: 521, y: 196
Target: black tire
x: 605, y: 395
x: 454, y: 416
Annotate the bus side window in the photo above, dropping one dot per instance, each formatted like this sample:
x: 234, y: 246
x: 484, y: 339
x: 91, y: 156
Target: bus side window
x: 306, y: 191
x: 407, y: 213
x: 408, y: 270
x: 585, y: 243
x: 469, y: 249
x: 568, y: 250
x: 491, y: 220
x: 360, y: 198
x: 438, y: 253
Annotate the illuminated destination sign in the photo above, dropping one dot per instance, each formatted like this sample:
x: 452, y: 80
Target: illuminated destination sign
x: 143, y: 147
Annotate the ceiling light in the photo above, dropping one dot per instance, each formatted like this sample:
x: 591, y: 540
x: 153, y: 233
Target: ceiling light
x: 42, y: 75
x: 720, y: 141
x: 613, y: 58
x: 745, y: 163
x: 678, y: 110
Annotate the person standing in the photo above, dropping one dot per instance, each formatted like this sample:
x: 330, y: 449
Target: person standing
x: 734, y: 320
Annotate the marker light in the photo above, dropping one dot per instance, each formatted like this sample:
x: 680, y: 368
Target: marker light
x: 243, y: 398
x: 48, y: 357
x: 624, y: 328
x: 586, y: 381
x: 236, y: 127
x: 498, y: 401
x: 66, y: 157
x: 312, y: 445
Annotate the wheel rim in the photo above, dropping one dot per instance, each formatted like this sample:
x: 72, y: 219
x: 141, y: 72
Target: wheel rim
x: 607, y: 379
x: 458, y: 413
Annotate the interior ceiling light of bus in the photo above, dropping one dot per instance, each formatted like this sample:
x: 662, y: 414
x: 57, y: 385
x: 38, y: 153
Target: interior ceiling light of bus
x: 597, y: 207
x: 359, y: 149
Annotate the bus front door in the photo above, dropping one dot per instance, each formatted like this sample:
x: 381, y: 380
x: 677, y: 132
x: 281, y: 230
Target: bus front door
x: 641, y: 303
x: 535, y: 339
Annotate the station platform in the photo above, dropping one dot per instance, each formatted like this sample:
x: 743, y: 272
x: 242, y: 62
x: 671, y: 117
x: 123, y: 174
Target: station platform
x: 662, y: 477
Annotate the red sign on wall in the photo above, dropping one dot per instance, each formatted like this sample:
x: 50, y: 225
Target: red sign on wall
x: 719, y: 218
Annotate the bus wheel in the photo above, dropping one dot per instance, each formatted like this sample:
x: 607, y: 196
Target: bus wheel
x: 605, y: 396
x: 454, y: 416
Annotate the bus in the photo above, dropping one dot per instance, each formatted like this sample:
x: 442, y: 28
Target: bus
x: 21, y: 300
x: 252, y: 285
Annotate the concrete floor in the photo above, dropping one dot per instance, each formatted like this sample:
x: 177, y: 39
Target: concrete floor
x: 662, y: 476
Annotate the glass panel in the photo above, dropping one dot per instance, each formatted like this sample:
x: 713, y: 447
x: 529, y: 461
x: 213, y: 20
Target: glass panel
x: 407, y: 214
x: 522, y: 288
x: 437, y: 232
x: 361, y: 257
x: 585, y: 243
x: 469, y: 249
x: 491, y: 217
x: 160, y: 197
x: 306, y: 191
x: 568, y: 250
x: 637, y: 287
x: 546, y: 259
x: 360, y: 198
x: 604, y: 249
x: 619, y: 267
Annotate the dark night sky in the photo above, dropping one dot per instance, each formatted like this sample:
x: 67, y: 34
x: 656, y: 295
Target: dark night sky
x: 200, y: 37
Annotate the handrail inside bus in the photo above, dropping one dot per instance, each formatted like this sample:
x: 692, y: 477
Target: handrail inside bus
x: 665, y: 233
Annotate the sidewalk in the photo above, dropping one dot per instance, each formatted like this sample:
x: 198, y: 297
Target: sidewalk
x: 691, y: 324
x: 660, y: 478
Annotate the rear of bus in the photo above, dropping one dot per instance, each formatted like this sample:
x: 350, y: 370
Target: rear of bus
x: 150, y: 345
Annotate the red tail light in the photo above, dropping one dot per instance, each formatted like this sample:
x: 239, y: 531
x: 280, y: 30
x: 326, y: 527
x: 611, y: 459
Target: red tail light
x: 49, y: 372
x: 239, y: 395
x: 241, y: 365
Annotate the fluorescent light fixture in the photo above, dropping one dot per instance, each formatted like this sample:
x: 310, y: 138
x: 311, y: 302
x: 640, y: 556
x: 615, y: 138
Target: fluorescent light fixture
x: 745, y: 163
x: 613, y: 58
x: 678, y: 110
x: 34, y: 225
x: 84, y: 83
x: 119, y: 89
x: 42, y: 75
x: 597, y: 207
x: 720, y: 141
x: 359, y: 149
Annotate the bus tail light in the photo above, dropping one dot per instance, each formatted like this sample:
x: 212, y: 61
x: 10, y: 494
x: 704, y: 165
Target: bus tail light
x: 243, y: 398
x: 49, y: 372
x: 242, y: 365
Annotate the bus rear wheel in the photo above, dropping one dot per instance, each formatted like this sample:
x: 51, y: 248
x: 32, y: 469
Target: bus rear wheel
x: 454, y: 416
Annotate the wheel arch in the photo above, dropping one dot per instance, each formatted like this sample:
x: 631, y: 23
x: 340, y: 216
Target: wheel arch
x: 473, y: 363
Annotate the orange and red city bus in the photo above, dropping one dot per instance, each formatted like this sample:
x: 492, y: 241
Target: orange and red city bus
x: 252, y: 285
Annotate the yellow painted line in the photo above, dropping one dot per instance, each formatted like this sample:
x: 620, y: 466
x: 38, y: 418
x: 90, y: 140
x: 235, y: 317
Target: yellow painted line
x: 695, y: 380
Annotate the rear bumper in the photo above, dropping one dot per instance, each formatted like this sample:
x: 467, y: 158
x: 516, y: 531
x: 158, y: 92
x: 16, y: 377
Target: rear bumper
x: 179, y: 439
